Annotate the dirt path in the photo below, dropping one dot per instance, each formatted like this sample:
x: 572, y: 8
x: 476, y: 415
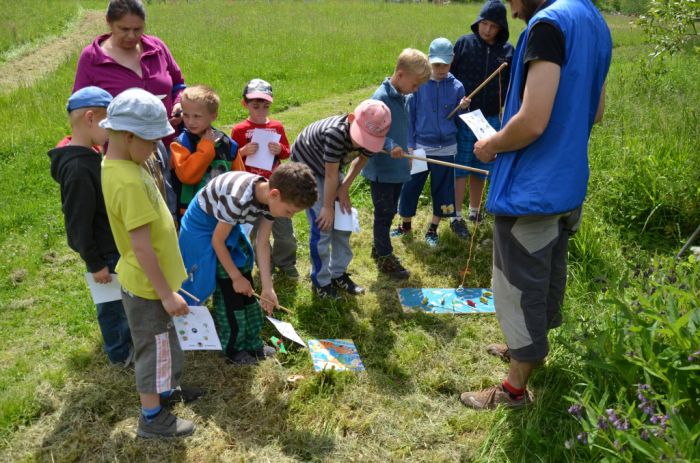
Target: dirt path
x: 29, y: 68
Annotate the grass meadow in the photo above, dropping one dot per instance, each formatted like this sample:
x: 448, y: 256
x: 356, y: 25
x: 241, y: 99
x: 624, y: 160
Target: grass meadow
x: 630, y: 313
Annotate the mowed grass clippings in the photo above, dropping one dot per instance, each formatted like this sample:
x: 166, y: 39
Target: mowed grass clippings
x: 60, y: 401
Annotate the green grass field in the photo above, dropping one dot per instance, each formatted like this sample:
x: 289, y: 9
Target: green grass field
x: 60, y: 401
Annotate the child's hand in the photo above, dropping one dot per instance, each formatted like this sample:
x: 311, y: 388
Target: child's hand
x: 209, y: 135
x: 102, y: 276
x: 397, y: 152
x: 268, y: 300
x: 465, y: 103
x: 275, y: 148
x: 344, y: 199
x: 175, y: 305
x: 241, y: 285
x: 249, y: 149
x: 325, y: 218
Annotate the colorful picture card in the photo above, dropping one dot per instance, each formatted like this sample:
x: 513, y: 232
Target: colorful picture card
x: 196, y: 330
x: 335, y: 354
x: 447, y: 300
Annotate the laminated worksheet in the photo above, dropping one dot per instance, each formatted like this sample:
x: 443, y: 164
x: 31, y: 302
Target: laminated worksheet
x: 104, y: 292
x: 416, y: 165
x: 346, y: 222
x: 196, y: 330
x: 287, y: 330
x: 478, y: 124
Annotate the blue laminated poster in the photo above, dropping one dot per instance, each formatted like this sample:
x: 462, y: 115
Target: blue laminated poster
x: 335, y: 354
x: 447, y: 300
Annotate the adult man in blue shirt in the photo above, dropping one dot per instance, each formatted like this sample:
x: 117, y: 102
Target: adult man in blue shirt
x: 540, y: 177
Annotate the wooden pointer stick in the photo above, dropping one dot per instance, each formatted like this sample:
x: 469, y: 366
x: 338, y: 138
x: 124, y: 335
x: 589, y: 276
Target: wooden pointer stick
x: 478, y: 89
x: 280, y: 306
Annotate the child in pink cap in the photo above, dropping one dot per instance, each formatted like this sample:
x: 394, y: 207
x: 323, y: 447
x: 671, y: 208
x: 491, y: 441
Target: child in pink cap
x: 326, y: 146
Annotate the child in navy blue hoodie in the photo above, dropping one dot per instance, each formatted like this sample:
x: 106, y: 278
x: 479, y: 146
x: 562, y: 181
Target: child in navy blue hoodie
x: 430, y: 129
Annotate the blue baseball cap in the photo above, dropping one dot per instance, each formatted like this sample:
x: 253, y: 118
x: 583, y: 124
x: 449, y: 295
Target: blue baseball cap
x: 89, y: 97
x: 441, y: 51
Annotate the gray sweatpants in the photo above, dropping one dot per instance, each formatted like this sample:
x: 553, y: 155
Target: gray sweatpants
x: 284, y: 246
x: 529, y: 279
x: 330, y: 250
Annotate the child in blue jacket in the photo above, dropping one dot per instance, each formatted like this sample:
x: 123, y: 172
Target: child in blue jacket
x: 430, y: 129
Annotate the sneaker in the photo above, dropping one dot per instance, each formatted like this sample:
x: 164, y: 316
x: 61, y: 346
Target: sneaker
x: 399, y: 231
x: 290, y: 272
x: 476, y: 217
x: 180, y: 394
x: 242, y: 358
x: 326, y: 292
x: 459, y: 227
x: 431, y: 239
x: 345, y: 283
x: 490, y: 398
x: 264, y: 352
x: 391, y: 266
x: 499, y: 350
x: 164, y: 424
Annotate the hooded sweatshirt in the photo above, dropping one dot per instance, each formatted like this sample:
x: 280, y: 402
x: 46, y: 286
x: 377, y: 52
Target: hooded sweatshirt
x: 77, y: 171
x: 475, y: 60
x: 428, y: 124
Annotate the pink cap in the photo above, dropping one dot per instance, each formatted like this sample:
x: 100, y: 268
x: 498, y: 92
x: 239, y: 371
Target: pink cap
x: 372, y: 122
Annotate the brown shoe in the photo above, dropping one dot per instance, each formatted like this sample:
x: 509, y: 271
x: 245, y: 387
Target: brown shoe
x: 488, y: 399
x: 391, y: 266
x: 499, y: 350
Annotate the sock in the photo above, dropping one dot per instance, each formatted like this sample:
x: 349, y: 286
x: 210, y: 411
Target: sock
x: 473, y: 210
x: 514, y: 392
x: 150, y: 413
x: 167, y: 394
x: 458, y: 215
x: 432, y: 228
x: 406, y: 225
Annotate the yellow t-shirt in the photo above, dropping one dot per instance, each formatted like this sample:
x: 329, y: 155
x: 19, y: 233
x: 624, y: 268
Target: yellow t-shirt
x: 133, y: 200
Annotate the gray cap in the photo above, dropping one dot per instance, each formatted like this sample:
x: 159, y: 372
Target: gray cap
x: 137, y: 111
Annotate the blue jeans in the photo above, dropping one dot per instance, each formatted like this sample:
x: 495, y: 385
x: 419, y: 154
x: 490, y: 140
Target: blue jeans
x: 442, y: 186
x: 113, y: 323
x: 385, y: 197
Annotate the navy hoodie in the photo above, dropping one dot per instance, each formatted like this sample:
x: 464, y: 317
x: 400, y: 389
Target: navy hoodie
x: 475, y: 60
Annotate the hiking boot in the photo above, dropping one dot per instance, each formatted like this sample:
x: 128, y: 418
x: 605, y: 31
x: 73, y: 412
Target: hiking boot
x: 164, y: 424
x: 431, y: 238
x: 180, y: 394
x: 391, y: 266
x: 399, y: 231
x: 459, y: 228
x: 499, y: 350
x: 290, y: 272
x: 345, y: 283
x: 242, y: 358
x: 490, y: 398
x: 264, y: 352
x: 476, y: 217
x: 326, y: 292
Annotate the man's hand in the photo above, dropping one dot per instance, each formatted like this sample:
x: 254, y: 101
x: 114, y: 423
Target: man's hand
x: 483, y: 150
x: 241, y: 285
x: 325, y: 218
x: 175, y: 305
x: 102, y: 276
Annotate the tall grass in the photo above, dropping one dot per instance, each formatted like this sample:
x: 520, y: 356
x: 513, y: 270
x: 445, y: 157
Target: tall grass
x: 60, y: 401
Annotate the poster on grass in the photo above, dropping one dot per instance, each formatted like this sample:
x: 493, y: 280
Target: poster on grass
x: 335, y: 354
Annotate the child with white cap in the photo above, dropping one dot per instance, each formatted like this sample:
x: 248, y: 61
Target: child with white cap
x: 150, y: 267
x: 430, y: 129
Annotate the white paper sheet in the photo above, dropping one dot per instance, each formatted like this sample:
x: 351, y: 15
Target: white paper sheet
x: 104, y: 292
x: 346, y: 222
x: 196, y: 330
x: 263, y: 158
x: 286, y: 330
x: 478, y: 123
x: 416, y: 165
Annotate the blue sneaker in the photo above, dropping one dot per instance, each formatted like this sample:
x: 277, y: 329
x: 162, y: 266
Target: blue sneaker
x: 431, y: 238
x: 399, y: 231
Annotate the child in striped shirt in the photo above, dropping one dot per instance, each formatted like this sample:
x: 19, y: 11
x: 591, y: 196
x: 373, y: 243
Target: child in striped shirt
x: 217, y: 253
